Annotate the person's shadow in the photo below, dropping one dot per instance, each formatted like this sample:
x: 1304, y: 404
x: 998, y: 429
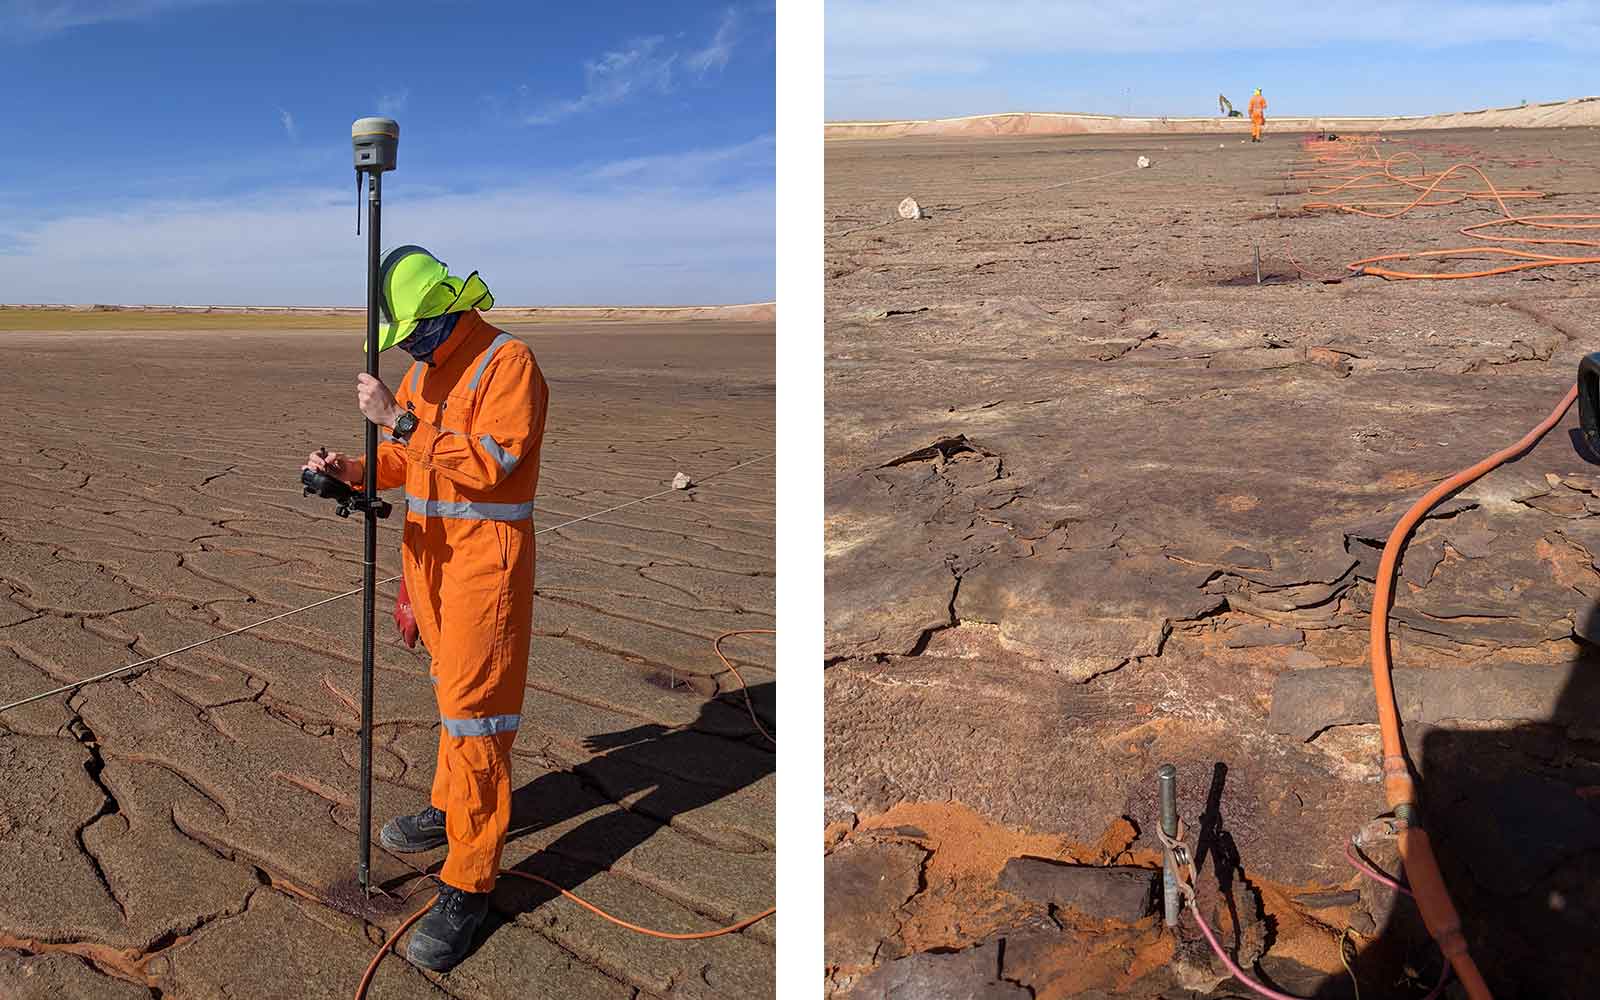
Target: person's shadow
x: 644, y: 766
x: 1514, y: 818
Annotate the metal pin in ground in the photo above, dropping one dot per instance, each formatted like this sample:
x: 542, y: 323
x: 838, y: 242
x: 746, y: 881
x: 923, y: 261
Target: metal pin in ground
x: 1167, y: 780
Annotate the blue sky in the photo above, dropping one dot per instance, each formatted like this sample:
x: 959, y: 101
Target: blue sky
x: 937, y: 58
x: 198, y: 151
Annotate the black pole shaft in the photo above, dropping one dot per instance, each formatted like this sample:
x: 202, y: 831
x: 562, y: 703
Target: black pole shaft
x: 369, y: 581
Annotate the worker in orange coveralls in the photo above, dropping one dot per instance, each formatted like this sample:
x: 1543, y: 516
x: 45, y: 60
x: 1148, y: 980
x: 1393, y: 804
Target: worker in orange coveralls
x: 1258, y: 115
x: 463, y: 437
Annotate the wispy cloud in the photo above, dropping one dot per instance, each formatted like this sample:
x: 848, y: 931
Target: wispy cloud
x: 394, y: 102
x: 31, y: 20
x: 641, y: 66
x: 716, y: 53
x: 858, y: 29
x: 899, y: 58
x: 695, y: 166
x: 289, y: 127
x: 559, y: 240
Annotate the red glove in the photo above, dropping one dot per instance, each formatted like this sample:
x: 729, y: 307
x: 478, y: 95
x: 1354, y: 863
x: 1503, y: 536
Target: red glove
x: 404, y: 620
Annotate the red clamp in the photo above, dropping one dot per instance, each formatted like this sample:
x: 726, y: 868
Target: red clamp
x: 404, y: 619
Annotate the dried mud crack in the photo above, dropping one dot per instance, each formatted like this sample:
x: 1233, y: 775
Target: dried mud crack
x: 1098, y: 505
x: 162, y: 831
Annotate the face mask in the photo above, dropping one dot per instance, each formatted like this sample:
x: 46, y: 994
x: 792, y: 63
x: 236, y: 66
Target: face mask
x: 427, y: 335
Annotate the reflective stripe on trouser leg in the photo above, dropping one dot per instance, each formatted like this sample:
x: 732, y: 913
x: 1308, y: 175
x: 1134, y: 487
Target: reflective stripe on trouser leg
x: 487, y: 726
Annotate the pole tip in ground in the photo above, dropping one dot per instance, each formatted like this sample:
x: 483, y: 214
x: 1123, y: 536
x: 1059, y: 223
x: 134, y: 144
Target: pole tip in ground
x: 374, y: 903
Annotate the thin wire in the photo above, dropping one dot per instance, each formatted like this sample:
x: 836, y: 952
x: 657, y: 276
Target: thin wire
x: 1370, y: 872
x: 132, y: 666
x: 1344, y: 939
x: 75, y: 685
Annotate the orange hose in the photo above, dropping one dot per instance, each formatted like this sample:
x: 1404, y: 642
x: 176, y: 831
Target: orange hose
x: 1422, y: 869
x: 1335, y: 165
x: 743, y: 687
x: 372, y: 967
x: 716, y: 645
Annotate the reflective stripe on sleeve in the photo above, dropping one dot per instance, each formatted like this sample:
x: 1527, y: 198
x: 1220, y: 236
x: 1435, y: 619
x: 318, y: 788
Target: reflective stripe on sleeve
x: 503, y: 458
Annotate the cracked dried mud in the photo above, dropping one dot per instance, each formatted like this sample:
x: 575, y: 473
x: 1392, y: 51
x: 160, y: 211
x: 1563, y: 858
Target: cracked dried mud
x: 1097, y: 501
x: 188, y: 832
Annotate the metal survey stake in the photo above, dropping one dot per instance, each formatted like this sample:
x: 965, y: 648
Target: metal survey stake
x: 1167, y: 779
x: 375, y: 143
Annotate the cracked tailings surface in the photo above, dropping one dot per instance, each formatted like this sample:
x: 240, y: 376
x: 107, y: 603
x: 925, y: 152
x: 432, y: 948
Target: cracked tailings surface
x: 1095, y: 504
x: 182, y: 833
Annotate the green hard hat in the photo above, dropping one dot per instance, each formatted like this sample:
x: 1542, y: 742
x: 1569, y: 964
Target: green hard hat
x: 416, y: 285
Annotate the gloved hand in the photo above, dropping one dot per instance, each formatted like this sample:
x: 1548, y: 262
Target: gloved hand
x: 404, y: 619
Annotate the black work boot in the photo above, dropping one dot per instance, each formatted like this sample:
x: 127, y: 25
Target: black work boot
x: 421, y: 831
x: 443, y: 937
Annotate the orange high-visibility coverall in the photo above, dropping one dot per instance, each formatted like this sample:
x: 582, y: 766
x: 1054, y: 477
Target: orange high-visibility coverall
x: 1258, y: 116
x: 470, y: 471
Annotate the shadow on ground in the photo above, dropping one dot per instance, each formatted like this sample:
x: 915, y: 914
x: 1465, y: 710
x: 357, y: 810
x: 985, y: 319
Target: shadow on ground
x: 1515, y: 817
x: 1514, y: 814
x: 623, y: 762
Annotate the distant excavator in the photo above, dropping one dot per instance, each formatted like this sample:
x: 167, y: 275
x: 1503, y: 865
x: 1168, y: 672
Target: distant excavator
x: 1225, y: 106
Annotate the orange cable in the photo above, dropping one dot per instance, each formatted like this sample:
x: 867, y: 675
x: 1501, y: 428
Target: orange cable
x: 1346, y: 171
x: 1422, y: 869
x: 743, y: 687
x: 716, y: 644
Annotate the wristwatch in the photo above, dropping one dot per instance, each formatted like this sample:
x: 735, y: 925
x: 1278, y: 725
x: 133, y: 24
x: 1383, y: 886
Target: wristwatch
x: 404, y: 424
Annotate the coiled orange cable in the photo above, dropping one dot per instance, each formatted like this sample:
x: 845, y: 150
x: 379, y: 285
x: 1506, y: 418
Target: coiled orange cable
x: 1431, y: 193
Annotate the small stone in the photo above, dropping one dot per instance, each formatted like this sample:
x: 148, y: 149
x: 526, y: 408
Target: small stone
x: 1144, y: 162
x: 909, y: 209
x: 681, y: 482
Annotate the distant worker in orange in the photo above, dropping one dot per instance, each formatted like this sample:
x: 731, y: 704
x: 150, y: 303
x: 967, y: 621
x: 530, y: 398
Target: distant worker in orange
x: 1258, y: 115
x: 463, y: 437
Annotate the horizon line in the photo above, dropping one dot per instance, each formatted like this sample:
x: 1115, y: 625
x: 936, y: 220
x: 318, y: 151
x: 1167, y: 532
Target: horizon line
x: 1194, y: 118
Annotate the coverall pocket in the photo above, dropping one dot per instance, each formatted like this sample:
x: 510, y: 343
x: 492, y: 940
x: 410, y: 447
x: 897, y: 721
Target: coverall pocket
x: 502, y: 534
